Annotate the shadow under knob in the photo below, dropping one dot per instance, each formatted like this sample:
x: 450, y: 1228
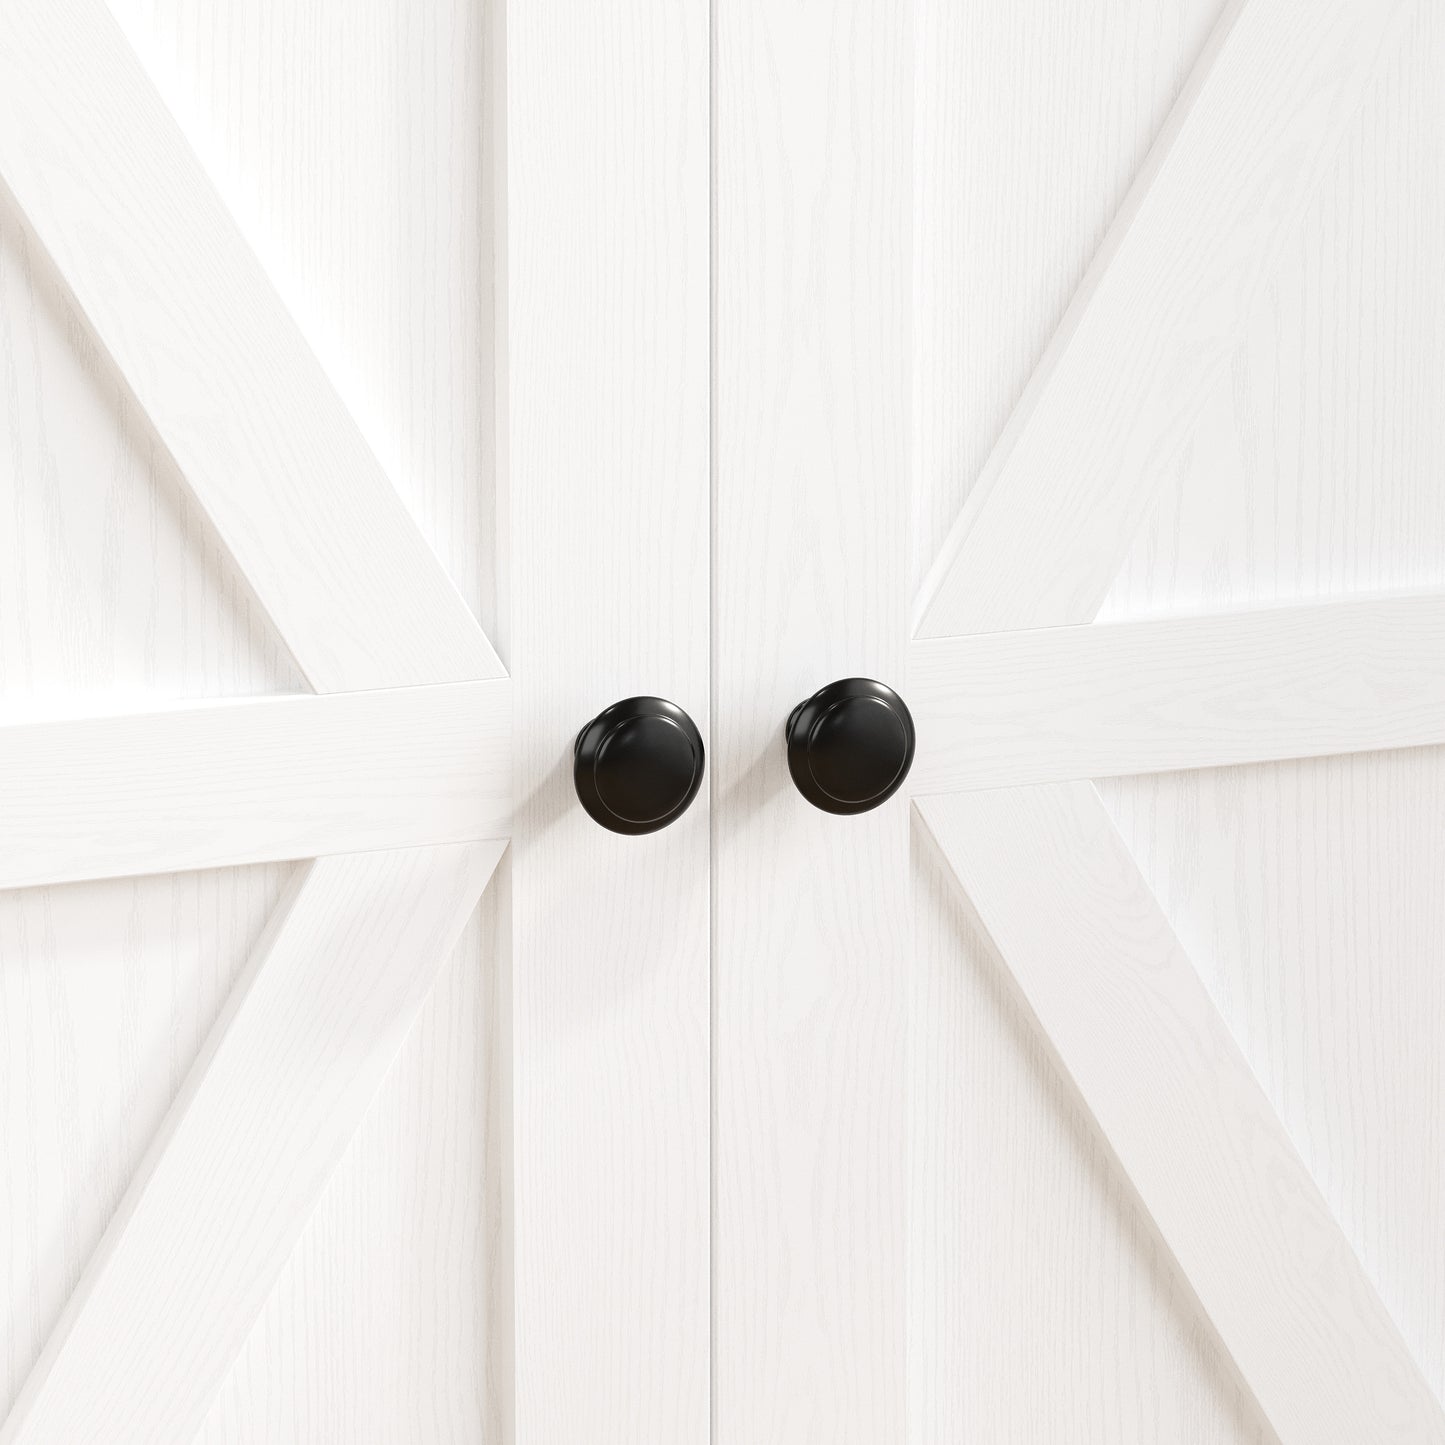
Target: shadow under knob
x: 850, y: 745
x: 637, y: 765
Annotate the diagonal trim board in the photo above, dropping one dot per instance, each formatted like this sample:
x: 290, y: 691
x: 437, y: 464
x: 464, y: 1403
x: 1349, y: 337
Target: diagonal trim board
x: 1052, y: 704
x: 263, y: 1118
x: 1135, y: 1029
x: 154, y: 259
x: 248, y: 780
x: 1053, y: 513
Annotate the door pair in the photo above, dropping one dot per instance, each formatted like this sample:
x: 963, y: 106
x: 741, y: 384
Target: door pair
x: 721, y: 350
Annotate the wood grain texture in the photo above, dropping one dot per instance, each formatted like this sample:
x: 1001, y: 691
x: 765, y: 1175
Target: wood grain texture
x: 1055, y: 704
x: 1042, y: 1304
x: 607, y: 419
x: 254, y: 780
x: 228, y: 1183
x: 357, y: 143
x: 391, y: 1320
x: 1323, y: 955
x: 107, y: 993
x: 1136, y: 1031
x: 210, y: 351
x: 1303, y: 892
x: 352, y: 140
x: 810, y: 912
x: 1117, y: 394
x: 1315, y: 469
x: 1307, y: 893
x: 111, y: 577
x: 1031, y: 123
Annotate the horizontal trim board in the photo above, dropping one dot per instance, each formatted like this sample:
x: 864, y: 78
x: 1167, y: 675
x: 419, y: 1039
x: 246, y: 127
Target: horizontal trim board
x: 1054, y: 704
x: 236, y: 1169
x: 1133, y: 1026
x: 208, y: 347
x: 252, y: 780
x: 1052, y: 515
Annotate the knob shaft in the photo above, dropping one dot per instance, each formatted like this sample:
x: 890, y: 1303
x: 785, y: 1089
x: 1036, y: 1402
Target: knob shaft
x: 638, y: 765
x: 850, y: 745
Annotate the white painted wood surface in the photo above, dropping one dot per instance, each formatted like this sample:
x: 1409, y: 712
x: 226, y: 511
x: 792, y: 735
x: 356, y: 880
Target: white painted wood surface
x: 607, y: 411
x: 1054, y: 704
x: 352, y: 141
x: 1314, y: 472
x: 810, y: 911
x: 111, y: 579
x: 1322, y: 954
x: 113, y: 190
x: 1030, y: 1257
x: 1133, y: 1026
x: 1311, y: 475
x: 1122, y: 385
x: 1050, y: 114
x: 107, y: 993
x: 1031, y: 122
x: 358, y: 144
x: 1306, y: 893
x: 398, y: 1283
x: 228, y: 1183
x: 253, y: 780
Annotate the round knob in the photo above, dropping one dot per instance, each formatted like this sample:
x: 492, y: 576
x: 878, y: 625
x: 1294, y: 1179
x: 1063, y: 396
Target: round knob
x: 638, y: 765
x: 850, y: 745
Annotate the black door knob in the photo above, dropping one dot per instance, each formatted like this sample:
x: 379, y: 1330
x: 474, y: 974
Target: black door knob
x: 638, y: 765
x: 850, y: 745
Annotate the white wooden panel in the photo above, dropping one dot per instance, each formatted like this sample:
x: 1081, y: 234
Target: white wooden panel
x: 110, y: 575
x: 1032, y: 122
x: 1135, y: 1029
x: 1042, y: 1306
x: 1053, y: 704
x: 1117, y: 394
x: 810, y: 912
x: 1314, y: 473
x: 235, y: 1171
x: 391, y: 1320
x: 107, y: 993
x: 1316, y: 467
x: 253, y: 779
x: 607, y: 421
x: 1323, y: 954
x: 1055, y: 1315
x: 115, y: 193
x: 346, y: 136
x: 354, y: 142
x: 1308, y: 894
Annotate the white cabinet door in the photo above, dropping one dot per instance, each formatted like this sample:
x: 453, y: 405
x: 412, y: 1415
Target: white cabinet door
x: 386, y: 389
x: 607, y: 278
x: 301, y: 1141
x: 1071, y: 376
